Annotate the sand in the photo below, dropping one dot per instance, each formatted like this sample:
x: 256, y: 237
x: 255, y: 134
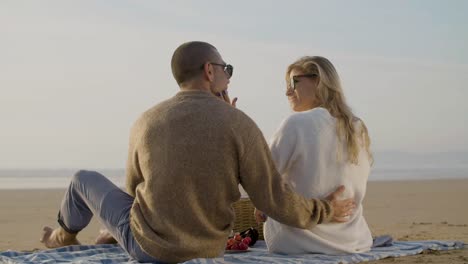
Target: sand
x: 407, y: 210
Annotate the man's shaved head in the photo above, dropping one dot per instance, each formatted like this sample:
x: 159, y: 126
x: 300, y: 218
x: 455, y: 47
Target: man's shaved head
x: 189, y: 57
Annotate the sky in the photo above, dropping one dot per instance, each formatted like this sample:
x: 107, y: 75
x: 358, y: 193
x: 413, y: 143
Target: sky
x: 75, y: 75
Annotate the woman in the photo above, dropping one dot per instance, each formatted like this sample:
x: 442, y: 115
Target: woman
x: 319, y: 147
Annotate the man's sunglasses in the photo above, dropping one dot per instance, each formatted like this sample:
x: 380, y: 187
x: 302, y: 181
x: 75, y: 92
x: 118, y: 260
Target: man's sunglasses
x: 227, y: 68
x: 293, y: 81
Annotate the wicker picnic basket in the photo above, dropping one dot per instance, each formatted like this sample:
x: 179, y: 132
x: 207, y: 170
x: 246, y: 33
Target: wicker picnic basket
x: 245, y: 218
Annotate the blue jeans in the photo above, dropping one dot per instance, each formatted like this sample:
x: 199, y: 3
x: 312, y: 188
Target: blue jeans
x: 90, y: 193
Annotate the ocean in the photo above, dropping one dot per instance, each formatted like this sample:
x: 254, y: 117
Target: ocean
x: 52, y: 179
x: 48, y: 178
x: 388, y: 166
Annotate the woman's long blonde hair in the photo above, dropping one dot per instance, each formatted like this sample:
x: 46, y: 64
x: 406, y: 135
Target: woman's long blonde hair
x: 331, y: 96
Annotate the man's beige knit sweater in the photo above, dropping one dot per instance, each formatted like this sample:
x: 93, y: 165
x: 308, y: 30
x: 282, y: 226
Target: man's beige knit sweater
x: 187, y: 156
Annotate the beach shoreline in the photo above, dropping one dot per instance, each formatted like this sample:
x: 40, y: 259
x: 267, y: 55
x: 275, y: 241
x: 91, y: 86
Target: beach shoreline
x: 406, y: 210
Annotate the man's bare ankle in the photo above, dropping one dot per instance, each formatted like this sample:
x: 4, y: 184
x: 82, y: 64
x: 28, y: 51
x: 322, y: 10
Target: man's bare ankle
x: 65, y: 234
x: 66, y: 237
x: 58, y: 237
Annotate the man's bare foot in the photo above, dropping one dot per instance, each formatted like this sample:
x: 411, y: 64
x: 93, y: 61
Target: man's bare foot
x: 105, y: 237
x: 54, y: 238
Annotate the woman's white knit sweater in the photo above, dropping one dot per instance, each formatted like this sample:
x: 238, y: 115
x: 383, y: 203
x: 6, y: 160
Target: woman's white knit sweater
x: 309, y: 155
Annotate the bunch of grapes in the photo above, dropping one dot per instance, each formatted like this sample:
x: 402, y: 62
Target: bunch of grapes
x: 238, y: 243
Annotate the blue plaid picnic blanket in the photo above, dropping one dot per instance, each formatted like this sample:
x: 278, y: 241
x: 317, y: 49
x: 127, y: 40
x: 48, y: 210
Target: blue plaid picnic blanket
x: 108, y: 254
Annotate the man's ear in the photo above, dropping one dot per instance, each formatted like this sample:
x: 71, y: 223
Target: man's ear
x: 208, y: 72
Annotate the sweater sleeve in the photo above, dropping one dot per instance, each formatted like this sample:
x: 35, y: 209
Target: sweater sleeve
x: 272, y: 195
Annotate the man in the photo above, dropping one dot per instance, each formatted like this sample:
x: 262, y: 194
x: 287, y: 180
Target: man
x: 187, y: 156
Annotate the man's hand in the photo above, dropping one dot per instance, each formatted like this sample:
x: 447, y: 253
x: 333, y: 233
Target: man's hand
x: 225, y: 97
x: 260, y: 217
x: 234, y: 101
x: 342, y: 208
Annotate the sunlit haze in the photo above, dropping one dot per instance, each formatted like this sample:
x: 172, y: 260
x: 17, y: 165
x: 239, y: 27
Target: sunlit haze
x: 75, y: 75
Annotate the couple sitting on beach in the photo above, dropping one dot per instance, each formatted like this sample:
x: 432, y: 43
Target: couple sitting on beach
x: 188, y: 154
